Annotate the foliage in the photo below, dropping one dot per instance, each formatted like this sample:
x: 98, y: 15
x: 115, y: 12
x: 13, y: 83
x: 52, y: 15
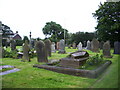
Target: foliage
x: 81, y: 37
x: 25, y: 38
x: 19, y: 42
x: 95, y: 60
x: 108, y: 18
x: 54, y: 31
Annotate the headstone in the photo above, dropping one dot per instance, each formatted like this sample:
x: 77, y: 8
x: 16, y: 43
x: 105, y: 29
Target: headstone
x: 95, y: 45
x: 106, y: 50
x: 32, y: 43
x: 62, y: 46
x: 88, y: 45
x: 80, y: 46
x: 116, y: 47
x: 48, y: 47
x: 57, y: 45
x: 69, y: 46
x: 13, y: 45
x: 26, y: 50
x: 75, y: 59
x: 53, y: 47
x: 101, y: 44
x: 74, y: 45
x: 41, y: 51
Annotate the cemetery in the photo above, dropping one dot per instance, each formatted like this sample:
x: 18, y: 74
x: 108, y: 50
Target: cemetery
x: 63, y: 60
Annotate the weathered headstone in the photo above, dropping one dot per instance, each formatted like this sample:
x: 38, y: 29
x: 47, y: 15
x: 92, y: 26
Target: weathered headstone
x: 88, y: 45
x: 53, y: 47
x: 26, y: 50
x: 69, y: 46
x: 48, y: 47
x: 13, y: 45
x: 57, y: 45
x: 95, y: 45
x: 41, y: 51
x: 101, y: 44
x: 106, y: 50
x: 62, y: 46
x: 116, y: 47
x: 74, y: 45
x: 80, y: 46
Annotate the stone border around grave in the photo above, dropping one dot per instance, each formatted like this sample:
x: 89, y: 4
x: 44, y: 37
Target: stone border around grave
x: 77, y: 72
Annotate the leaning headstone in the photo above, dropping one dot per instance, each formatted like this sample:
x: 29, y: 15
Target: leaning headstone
x: 88, y: 45
x: 62, y: 46
x: 101, y: 44
x: 95, y: 45
x: 80, y: 46
x: 48, y: 47
x: 13, y: 45
x: 53, y: 47
x: 116, y: 47
x: 26, y: 50
x: 106, y: 50
x: 41, y: 51
x: 74, y: 45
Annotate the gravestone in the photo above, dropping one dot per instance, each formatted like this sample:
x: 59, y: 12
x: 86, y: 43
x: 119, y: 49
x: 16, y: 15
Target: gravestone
x: 13, y: 45
x: 62, y: 46
x: 80, y: 46
x: 57, y: 45
x: 116, y: 47
x: 101, y: 44
x: 26, y: 50
x: 53, y: 47
x: 74, y: 45
x: 75, y: 59
x: 41, y: 51
x: 69, y: 46
x: 88, y: 45
x: 95, y: 45
x: 106, y: 50
x: 48, y: 47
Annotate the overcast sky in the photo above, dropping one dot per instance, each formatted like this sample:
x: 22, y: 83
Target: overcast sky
x: 31, y: 15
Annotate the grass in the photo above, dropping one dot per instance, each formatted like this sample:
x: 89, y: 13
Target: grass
x: 29, y: 77
x: 5, y: 69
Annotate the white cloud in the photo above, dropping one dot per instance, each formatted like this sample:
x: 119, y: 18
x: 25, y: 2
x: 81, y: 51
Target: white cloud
x: 31, y: 15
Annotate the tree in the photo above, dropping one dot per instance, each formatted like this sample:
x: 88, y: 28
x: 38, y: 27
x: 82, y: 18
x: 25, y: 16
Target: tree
x: 108, y: 18
x: 54, y: 31
x: 25, y: 38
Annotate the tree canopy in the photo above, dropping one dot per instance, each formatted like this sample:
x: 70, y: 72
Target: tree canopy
x: 108, y: 18
x: 54, y: 31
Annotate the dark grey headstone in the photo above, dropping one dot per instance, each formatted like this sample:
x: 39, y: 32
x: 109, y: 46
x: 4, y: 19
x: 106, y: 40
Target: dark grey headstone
x: 41, y: 51
x: 106, y: 50
x: 95, y: 45
x: 62, y: 46
x: 116, y: 47
x: 26, y: 50
x: 74, y: 45
x: 101, y: 44
x: 13, y: 45
x: 48, y: 47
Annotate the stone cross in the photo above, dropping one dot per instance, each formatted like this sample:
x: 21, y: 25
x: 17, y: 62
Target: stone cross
x: 26, y: 50
x: 95, y: 45
x: 48, y: 47
x: 62, y: 46
x: 80, y: 46
x: 41, y: 51
x: 53, y: 47
x: 116, y: 47
x: 88, y: 45
x: 106, y: 50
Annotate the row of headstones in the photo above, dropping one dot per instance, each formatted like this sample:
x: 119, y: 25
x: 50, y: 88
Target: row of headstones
x: 43, y: 49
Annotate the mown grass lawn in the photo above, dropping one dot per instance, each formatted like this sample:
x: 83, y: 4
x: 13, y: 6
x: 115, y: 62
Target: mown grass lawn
x: 29, y: 77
